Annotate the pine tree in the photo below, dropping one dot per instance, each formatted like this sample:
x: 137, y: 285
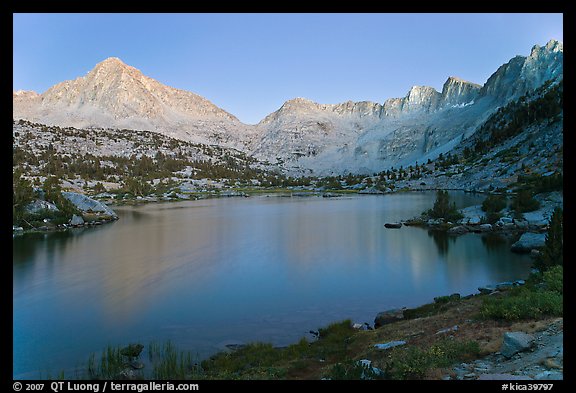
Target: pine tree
x: 443, y: 208
x: 553, y: 252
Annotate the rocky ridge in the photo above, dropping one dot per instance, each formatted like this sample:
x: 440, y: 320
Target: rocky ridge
x: 303, y: 137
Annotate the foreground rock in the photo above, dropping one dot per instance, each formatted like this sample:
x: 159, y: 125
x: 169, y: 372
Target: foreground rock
x: 132, y: 350
x: 515, y: 342
x: 529, y: 241
x: 543, y: 359
x: 390, y: 316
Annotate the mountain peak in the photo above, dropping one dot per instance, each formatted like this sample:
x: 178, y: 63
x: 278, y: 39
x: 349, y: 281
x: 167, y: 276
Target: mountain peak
x: 457, y: 91
x: 551, y: 46
x: 114, y: 65
x: 298, y: 103
x: 554, y: 46
x: 112, y: 60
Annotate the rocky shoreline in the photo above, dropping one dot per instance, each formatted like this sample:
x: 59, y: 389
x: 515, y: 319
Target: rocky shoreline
x: 530, y: 229
x: 91, y: 213
x: 520, y: 351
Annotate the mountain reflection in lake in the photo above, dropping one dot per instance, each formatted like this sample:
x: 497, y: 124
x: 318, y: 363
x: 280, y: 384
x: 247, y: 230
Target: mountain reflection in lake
x: 210, y: 272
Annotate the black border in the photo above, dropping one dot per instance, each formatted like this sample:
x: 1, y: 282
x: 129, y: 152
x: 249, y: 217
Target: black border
x: 168, y: 6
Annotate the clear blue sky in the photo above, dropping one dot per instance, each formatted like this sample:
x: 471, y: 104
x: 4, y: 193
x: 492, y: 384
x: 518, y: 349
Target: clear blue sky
x: 249, y: 64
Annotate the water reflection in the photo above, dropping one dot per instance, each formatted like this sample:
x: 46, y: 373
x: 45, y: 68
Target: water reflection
x: 441, y: 239
x: 205, y: 272
x: 494, y: 241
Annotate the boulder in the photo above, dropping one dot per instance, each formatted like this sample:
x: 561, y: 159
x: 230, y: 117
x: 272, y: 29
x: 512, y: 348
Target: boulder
x: 390, y: 316
x: 370, y: 190
x: 444, y: 299
x: 132, y: 350
x: 367, y: 364
x: 39, y: 205
x: 330, y: 195
x: 504, y: 285
x: 472, y: 215
x: 487, y: 289
x: 458, y: 230
x: 104, y: 195
x: 529, y: 241
x: 76, y: 220
x: 485, y: 227
x: 515, y: 342
x: 87, y: 204
x: 448, y: 330
x: 506, y: 220
x: 361, y: 326
x: 390, y: 344
x: 393, y: 225
x: 232, y: 193
x: 474, y: 220
x: 509, y: 226
x: 521, y: 224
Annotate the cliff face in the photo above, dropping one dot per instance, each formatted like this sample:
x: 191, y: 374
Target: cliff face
x: 521, y: 74
x: 368, y: 137
x: 458, y: 92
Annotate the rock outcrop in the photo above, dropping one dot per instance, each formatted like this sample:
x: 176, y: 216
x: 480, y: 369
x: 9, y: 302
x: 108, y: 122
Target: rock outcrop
x: 88, y: 205
x: 529, y: 241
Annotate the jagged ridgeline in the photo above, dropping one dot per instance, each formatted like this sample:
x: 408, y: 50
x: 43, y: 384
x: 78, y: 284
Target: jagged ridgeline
x: 302, y: 137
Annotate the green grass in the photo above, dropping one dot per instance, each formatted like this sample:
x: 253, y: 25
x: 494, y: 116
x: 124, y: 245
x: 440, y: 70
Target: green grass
x: 263, y: 361
x: 170, y: 363
x: 413, y: 363
x: 426, y: 310
x: 535, y: 300
x: 524, y: 304
x: 109, y: 366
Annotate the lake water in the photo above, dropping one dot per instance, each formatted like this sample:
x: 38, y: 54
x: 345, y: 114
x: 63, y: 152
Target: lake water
x: 220, y: 271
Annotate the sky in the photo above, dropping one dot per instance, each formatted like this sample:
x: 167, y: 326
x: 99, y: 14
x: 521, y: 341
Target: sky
x: 250, y: 64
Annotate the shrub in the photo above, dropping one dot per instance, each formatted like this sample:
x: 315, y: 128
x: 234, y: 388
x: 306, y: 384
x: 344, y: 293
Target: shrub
x: 443, y: 208
x: 491, y: 218
x: 524, y: 303
x: 494, y: 203
x: 554, y: 279
x: 524, y: 202
x: 553, y: 252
